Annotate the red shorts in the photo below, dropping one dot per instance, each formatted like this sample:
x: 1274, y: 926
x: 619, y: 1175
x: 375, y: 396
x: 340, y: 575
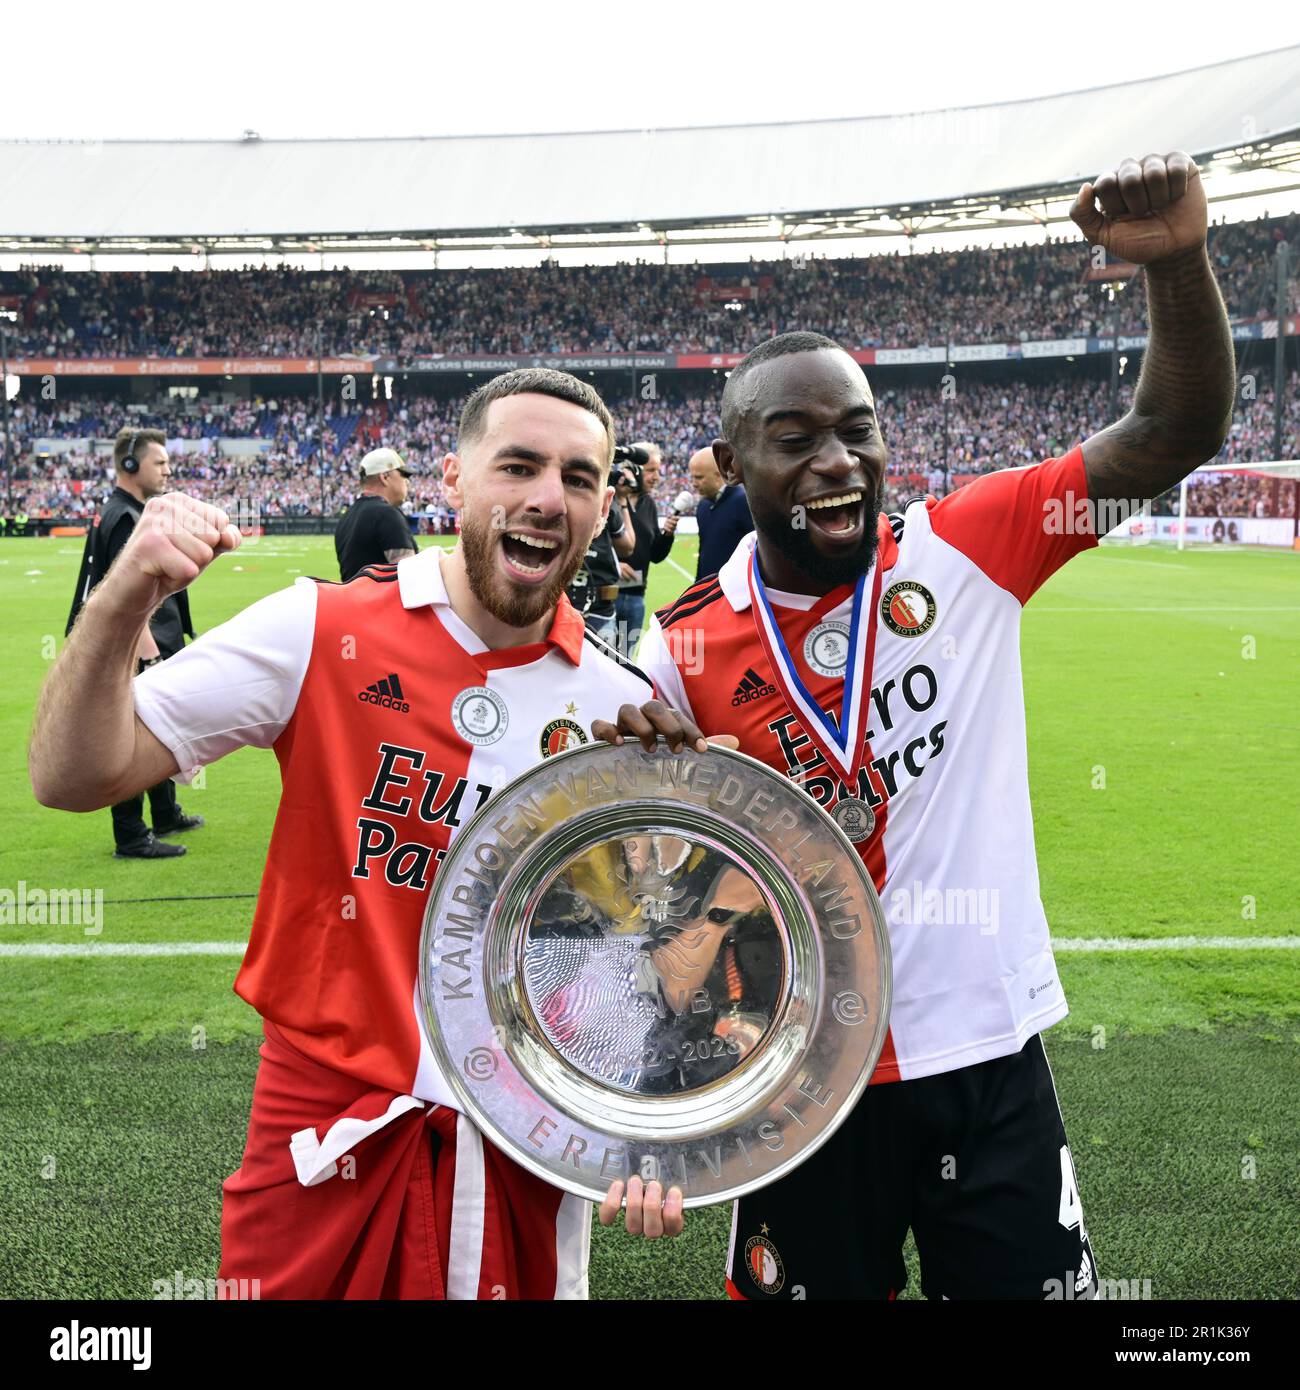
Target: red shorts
x: 346, y: 1191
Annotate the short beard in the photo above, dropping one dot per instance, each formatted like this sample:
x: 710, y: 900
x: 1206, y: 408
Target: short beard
x: 797, y: 544
x: 515, y: 607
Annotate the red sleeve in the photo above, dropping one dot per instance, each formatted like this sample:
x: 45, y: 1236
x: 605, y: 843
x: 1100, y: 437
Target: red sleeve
x: 1020, y: 525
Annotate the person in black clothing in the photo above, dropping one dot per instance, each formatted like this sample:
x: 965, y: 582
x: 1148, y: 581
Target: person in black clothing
x: 722, y: 514
x: 373, y: 531
x: 595, y: 586
x: 143, y: 471
x: 634, y: 496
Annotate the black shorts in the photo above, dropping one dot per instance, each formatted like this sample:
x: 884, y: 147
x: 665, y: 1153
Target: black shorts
x: 975, y: 1161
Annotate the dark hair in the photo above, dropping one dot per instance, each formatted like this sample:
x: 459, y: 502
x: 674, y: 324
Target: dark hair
x: 122, y: 442
x: 541, y: 381
x: 783, y: 345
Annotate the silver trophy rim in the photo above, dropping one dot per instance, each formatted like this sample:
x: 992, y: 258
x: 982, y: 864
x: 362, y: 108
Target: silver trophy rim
x: 469, y: 1103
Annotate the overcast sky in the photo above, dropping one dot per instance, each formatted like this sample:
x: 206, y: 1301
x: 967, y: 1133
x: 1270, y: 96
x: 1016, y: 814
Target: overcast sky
x: 152, y: 70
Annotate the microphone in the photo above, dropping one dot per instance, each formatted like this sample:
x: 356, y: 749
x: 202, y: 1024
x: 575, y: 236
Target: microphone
x: 683, y: 503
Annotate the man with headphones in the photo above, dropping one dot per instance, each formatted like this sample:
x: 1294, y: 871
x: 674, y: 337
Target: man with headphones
x: 143, y: 471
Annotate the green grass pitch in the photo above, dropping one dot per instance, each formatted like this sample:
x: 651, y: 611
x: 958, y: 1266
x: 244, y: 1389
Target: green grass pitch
x: 1164, y: 756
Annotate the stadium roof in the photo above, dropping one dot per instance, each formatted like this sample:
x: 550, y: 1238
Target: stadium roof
x: 807, y: 178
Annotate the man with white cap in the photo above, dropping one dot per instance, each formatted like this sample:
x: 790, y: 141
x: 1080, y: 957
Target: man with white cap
x: 374, y: 531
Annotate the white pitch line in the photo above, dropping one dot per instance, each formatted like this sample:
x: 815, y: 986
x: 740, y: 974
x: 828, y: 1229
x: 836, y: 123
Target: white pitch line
x: 125, y: 948
x: 686, y: 574
x: 1059, y: 943
x: 1169, y: 608
x: 1167, y: 564
x: 1176, y: 943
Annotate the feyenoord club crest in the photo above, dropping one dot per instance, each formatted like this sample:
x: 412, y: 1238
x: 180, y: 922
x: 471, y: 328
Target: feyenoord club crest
x: 479, y: 715
x: 908, y: 609
x: 826, y: 648
x: 765, y: 1266
x: 560, y: 735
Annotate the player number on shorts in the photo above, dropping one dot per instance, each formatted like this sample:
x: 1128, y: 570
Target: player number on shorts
x: 1071, y: 1212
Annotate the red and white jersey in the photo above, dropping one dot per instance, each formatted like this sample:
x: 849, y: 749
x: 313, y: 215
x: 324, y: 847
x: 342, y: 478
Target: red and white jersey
x: 940, y: 810
x: 393, y: 723
x: 393, y: 1223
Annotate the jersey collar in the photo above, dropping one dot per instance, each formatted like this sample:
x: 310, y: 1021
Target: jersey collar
x: 734, y: 575
x: 420, y: 583
x: 567, y: 631
x: 419, y: 579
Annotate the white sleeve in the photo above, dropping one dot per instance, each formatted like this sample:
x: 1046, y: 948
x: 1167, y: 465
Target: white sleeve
x: 235, y: 685
x: 655, y: 658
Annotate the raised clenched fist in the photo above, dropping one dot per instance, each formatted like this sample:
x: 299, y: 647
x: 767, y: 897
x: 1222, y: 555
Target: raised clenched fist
x: 1150, y: 208
x: 175, y: 540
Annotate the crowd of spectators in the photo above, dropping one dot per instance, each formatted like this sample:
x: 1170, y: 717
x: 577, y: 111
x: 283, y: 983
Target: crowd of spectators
x: 935, y: 435
x: 1232, y: 494
x: 71, y: 417
x: 246, y: 313
x: 980, y: 295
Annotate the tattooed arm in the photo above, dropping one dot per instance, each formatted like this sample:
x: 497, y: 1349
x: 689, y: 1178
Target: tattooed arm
x: 1153, y: 213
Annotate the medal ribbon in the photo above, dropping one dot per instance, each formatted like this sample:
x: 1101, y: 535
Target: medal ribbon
x: 843, y: 745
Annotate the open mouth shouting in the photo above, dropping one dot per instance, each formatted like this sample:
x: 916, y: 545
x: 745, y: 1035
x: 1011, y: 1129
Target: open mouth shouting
x: 837, y: 517
x: 530, y: 557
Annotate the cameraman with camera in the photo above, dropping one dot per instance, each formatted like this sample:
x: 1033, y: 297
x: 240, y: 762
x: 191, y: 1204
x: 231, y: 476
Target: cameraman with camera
x: 636, y: 475
x: 594, y: 589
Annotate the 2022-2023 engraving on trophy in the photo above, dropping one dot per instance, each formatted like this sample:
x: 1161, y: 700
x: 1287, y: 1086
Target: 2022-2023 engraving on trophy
x: 653, y: 963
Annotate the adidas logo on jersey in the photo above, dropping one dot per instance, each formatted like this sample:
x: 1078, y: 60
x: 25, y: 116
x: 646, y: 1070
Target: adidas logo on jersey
x: 752, y: 687
x: 387, y: 693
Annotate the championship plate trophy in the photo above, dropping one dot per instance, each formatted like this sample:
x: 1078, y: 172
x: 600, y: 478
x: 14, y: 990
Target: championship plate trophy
x: 671, y: 965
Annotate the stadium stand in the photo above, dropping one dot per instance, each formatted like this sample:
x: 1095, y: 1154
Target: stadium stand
x: 988, y: 425
x: 1017, y: 293
x: 269, y: 442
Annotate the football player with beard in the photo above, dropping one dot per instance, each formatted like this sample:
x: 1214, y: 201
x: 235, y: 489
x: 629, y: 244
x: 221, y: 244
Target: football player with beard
x: 875, y: 660
x: 396, y: 703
